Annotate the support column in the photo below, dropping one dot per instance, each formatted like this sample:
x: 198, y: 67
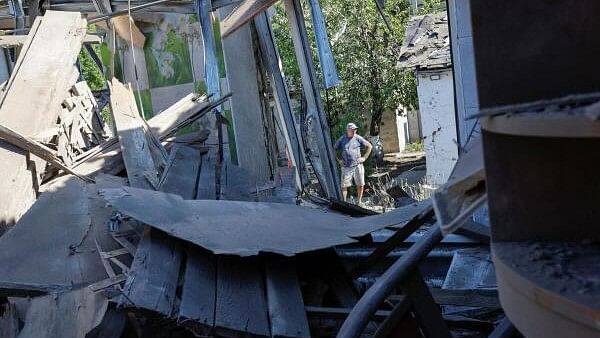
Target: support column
x: 323, y: 162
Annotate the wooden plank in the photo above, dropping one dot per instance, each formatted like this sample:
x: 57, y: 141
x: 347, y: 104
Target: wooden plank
x: 183, y: 173
x: 339, y: 313
x: 32, y: 146
x: 132, y: 139
x: 465, y: 297
x: 207, y: 182
x: 14, y: 41
x: 328, y: 67
x: 153, y: 277
x: 326, y: 166
x: 427, y: 313
x: 198, y: 296
x: 122, y: 27
x: 241, y: 306
x: 185, y: 111
x: 242, y: 14
x: 285, y: 110
x: 105, y: 283
x: 32, y: 100
x: 286, y: 307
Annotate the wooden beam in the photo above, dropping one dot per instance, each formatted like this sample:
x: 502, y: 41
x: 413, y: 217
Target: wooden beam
x: 27, y: 144
x: 242, y: 14
x: 286, y: 307
x: 326, y: 166
x: 12, y: 41
x: 135, y: 147
x: 266, y: 40
x: 152, y: 279
x: 107, y: 157
x: 32, y: 101
x: 241, y: 304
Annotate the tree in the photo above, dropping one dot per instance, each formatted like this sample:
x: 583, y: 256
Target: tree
x: 366, y: 54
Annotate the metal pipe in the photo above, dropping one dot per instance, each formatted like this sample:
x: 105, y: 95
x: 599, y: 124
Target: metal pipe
x: 370, y: 301
x: 125, y: 11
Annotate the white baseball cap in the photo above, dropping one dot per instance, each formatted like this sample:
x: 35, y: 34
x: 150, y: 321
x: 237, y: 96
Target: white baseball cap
x: 351, y: 126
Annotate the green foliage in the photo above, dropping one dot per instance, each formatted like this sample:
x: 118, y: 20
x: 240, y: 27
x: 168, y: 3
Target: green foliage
x: 90, y: 71
x: 414, y: 147
x: 145, y: 106
x: 176, y: 47
x: 366, y: 54
x: 231, y: 135
x: 431, y: 6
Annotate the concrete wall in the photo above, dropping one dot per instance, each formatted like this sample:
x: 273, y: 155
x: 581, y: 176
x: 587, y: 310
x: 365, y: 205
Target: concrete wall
x: 414, y: 126
x: 436, y: 104
x: 393, y: 131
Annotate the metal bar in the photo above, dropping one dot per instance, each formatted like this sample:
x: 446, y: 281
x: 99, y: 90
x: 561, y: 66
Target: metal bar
x: 368, y: 304
x: 125, y: 11
x: 328, y: 68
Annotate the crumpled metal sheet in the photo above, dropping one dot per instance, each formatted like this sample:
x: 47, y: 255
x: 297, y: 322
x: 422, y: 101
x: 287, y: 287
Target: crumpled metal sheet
x: 248, y: 228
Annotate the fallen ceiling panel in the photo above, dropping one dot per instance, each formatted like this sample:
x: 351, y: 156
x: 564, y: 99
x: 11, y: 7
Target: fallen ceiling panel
x: 247, y: 228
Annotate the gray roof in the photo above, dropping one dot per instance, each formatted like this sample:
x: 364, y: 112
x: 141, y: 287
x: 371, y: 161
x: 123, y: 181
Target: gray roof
x: 426, y: 43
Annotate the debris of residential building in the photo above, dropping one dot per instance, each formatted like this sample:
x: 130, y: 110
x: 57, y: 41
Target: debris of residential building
x: 178, y: 197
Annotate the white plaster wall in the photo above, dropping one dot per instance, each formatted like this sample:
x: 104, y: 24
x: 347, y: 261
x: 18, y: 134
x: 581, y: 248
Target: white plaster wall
x: 436, y: 104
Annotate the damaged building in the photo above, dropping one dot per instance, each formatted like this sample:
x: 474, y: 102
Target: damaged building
x: 184, y: 195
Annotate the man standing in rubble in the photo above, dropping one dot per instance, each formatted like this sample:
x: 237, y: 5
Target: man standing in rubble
x: 352, y: 160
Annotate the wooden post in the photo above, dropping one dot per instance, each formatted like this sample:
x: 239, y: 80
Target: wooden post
x: 281, y: 95
x: 327, y: 172
x: 213, y: 85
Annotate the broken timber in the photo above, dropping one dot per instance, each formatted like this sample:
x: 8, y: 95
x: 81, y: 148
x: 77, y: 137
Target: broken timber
x: 266, y: 40
x: 134, y: 144
x: 242, y: 14
x: 108, y: 158
x: 324, y: 164
x: 32, y: 99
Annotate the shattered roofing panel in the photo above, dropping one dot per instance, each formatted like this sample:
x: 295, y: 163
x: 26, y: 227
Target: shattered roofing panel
x: 426, y: 43
x: 247, y: 228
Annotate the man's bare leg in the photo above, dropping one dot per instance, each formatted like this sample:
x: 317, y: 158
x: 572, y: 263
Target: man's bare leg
x: 359, y: 192
x: 345, y: 193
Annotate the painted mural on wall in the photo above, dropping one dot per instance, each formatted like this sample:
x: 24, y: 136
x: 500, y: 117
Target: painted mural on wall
x: 167, y: 50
